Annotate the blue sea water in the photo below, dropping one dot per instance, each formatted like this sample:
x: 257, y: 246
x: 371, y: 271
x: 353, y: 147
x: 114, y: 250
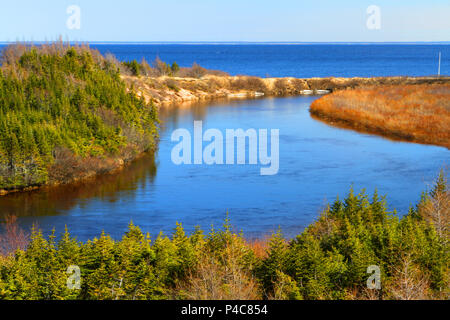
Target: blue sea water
x: 296, y: 60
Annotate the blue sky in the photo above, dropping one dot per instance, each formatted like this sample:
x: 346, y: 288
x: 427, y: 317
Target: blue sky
x: 227, y: 20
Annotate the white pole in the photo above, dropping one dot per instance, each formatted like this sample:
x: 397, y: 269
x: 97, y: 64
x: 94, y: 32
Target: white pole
x: 439, y: 68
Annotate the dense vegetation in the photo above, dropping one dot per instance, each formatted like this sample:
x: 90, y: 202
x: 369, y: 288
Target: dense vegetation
x: 329, y: 260
x: 419, y: 113
x: 64, y: 114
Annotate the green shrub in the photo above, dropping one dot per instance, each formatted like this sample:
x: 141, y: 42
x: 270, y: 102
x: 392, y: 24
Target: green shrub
x: 70, y: 98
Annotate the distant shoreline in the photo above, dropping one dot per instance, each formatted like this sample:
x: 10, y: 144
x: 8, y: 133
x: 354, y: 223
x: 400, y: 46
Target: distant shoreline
x: 239, y: 42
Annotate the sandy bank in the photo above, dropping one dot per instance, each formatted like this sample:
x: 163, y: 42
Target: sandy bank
x: 174, y: 90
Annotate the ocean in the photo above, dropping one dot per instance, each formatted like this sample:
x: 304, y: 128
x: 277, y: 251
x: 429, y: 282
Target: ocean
x: 296, y: 60
x: 302, y: 60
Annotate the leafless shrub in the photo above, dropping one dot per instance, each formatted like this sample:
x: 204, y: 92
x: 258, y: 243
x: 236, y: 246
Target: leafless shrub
x: 11, y: 53
x: 409, y: 282
x: 146, y: 69
x: 67, y: 166
x: 161, y: 68
x: 249, y: 83
x: 196, y: 71
x: 223, y: 278
x: 281, y: 87
x: 299, y: 85
x: 111, y: 61
x: 213, y: 85
x: 13, y: 236
x: 217, y: 73
x: 436, y: 208
x: 321, y: 84
x: 172, y: 84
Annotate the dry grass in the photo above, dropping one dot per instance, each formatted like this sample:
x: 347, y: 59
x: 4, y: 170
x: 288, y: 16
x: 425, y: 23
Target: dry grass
x: 419, y: 113
x: 200, y: 85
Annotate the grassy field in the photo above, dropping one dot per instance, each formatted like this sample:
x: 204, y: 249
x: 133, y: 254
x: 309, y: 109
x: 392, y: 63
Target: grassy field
x: 418, y: 113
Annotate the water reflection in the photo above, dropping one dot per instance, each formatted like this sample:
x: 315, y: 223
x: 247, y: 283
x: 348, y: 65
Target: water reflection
x: 343, y: 125
x: 109, y: 187
x: 49, y: 201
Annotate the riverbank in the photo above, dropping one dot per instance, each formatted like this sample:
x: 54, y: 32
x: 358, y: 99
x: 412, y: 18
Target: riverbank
x: 165, y: 90
x: 417, y: 113
x: 70, y: 113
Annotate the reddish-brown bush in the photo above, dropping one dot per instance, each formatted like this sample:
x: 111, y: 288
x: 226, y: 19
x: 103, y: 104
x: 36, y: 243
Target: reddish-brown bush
x: 12, y: 237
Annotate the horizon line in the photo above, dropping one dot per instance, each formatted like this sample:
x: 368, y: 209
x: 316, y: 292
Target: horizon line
x: 232, y: 42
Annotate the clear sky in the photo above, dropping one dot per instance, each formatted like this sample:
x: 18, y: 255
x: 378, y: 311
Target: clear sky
x: 226, y: 20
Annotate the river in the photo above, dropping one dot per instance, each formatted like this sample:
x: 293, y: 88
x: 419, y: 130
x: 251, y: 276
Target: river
x: 317, y: 163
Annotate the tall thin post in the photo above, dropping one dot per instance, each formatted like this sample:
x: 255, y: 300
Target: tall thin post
x: 439, y: 67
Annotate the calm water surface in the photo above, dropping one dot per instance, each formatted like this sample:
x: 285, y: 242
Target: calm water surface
x: 317, y: 163
x: 298, y: 60
x: 295, y: 60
